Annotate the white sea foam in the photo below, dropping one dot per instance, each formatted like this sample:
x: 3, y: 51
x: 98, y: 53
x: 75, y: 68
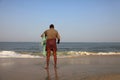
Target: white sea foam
x: 92, y: 53
x: 12, y: 54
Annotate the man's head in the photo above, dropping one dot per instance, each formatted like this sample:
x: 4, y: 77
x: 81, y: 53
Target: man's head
x: 51, y: 26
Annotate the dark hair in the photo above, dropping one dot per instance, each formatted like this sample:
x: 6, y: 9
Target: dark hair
x: 51, y: 26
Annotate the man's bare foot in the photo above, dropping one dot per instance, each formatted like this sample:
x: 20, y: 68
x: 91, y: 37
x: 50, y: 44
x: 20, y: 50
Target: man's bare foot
x: 55, y: 67
x: 46, y: 67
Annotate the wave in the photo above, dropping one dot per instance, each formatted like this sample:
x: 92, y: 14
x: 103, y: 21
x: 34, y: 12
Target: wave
x: 13, y: 54
x: 92, y: 53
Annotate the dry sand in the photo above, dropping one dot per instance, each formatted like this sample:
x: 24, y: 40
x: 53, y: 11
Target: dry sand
x: 79, y: 68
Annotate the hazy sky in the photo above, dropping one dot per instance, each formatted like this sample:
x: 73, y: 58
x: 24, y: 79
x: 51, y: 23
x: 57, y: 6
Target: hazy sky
x: 75, y: 20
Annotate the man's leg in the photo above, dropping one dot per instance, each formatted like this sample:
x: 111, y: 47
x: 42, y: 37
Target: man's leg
x: 55, y: 58
x: 47, y: 59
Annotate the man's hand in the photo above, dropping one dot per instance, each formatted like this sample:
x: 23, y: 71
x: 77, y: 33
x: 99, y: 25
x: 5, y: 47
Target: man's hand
x: 58, y: 41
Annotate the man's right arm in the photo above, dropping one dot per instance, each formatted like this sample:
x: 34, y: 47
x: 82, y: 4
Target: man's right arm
x: 58, y: 41
x: 58, y: 37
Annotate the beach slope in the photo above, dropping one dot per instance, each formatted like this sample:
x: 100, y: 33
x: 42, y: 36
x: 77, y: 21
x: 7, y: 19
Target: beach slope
x: 77, y: 68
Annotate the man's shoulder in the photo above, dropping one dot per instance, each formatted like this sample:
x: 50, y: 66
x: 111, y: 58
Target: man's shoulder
x: 46, y: 30
x: 55, y: 30
x: 51, y: 30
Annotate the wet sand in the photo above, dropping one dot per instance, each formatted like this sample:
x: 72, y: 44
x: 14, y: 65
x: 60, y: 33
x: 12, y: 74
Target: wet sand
x: 79, y: 68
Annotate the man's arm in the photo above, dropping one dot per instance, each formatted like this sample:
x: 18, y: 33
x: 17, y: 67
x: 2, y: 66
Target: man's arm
x: 43, y: 34
x: 58, y: 41
x: 58, y: 37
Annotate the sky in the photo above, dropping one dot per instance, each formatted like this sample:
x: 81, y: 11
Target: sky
x: 75, y: 20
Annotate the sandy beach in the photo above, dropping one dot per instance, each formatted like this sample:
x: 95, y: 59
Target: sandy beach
x: 77, y: 68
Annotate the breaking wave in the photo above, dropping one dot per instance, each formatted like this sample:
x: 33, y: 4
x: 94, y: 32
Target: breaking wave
x: 13, y: 54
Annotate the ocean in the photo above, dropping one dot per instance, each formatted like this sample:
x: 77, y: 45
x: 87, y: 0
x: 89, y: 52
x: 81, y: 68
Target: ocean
x: 34, y: 49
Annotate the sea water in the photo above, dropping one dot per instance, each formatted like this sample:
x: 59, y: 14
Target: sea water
x: 34, y: 49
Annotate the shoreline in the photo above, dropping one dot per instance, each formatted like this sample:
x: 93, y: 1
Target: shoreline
x: 78, y: 68
x: 13, y: 54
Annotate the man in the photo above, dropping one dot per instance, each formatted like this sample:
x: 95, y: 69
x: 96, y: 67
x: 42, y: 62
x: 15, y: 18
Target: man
x: 51, y: 36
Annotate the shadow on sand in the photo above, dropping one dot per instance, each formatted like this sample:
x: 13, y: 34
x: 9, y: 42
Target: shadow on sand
x: 50, y: 77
